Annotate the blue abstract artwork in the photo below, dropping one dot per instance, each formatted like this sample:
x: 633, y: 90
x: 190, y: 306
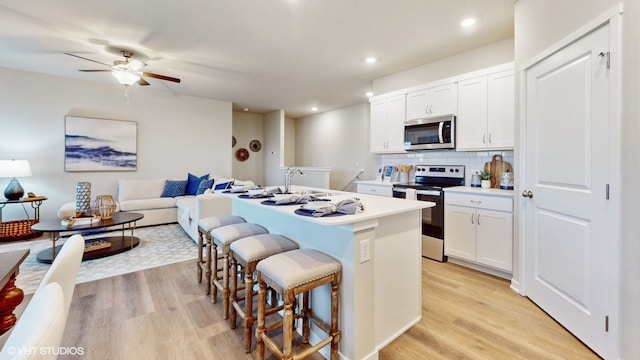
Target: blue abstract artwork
x: 100, y: 145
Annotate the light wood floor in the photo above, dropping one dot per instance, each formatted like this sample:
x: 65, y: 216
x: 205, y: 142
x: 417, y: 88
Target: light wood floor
x: 162, y: 313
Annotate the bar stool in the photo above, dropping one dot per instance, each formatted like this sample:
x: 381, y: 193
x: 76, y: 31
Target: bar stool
x: 247, y: 252
x: 292, y: 273
x: 205, y: 225
x: 223, y: 237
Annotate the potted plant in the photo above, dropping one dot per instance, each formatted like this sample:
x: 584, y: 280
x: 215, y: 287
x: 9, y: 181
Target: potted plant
x: 485, y: 175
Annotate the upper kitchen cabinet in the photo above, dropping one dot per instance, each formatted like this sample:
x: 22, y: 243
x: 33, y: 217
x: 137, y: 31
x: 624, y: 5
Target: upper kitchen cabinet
x: 387, y: 124
x: 485, y: 118
x: 434, y: 101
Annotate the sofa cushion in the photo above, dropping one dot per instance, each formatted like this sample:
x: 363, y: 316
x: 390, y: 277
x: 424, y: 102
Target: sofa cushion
x: 204, y: 186
x: 148, y: 204
x: 133, y: 189
x: 173, y: 188
x: 193, y: 182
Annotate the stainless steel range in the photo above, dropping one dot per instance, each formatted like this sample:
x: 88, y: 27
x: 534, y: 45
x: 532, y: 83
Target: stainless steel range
x: 427, y: 185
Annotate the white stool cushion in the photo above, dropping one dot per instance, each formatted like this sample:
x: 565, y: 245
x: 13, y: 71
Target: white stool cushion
x: 225, y: 235
x: 212, y: 222
x: 298, y: 267
x: 257, y: 247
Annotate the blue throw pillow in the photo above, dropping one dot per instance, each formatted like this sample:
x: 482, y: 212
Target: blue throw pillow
x: 193, y: 182
x: 223, y: 185
x: 204, y: 186
x: 173, y: 188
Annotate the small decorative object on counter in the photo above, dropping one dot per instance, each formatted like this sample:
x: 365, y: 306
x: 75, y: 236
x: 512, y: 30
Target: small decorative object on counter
x: 476, y: 180
x: 404, y: 173
x: 506, y: 181
x: 486, y: 179
x: 104, y: 206
x: 83, y: 198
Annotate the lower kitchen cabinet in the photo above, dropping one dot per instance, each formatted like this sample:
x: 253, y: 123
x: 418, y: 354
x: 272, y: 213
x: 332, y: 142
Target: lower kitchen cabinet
x: 375, y: 188
x: 478, y: 228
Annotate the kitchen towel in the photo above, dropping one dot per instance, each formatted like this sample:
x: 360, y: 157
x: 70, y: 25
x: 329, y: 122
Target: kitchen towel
x: 348, y: 206
x: 411, y: 194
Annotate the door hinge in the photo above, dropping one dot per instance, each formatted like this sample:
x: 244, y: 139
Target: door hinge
x: 606, y: 55
x: 607, y: 192
x: 606, y: 323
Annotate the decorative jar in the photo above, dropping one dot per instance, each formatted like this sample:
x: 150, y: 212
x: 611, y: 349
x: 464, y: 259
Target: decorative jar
x: 83, y: 198
x: 104, y: 206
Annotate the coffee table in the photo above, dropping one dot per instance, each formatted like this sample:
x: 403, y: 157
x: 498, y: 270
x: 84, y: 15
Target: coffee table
x: 118, y: 245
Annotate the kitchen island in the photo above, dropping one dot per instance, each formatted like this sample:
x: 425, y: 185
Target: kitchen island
x: 379, y: 249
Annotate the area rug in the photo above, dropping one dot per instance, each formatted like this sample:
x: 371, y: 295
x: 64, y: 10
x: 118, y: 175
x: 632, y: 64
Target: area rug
x: 159, y: 245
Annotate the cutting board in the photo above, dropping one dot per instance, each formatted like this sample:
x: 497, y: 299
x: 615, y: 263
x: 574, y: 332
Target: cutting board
x: 496, y: 167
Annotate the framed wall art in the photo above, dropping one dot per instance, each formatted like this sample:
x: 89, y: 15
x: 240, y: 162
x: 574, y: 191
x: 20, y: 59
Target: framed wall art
x: 99, y: 144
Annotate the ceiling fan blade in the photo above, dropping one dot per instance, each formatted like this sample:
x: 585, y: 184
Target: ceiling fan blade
x: 84, y: 58
x: 161, y: 77
x: 143, y: 82
x: 95, y: 70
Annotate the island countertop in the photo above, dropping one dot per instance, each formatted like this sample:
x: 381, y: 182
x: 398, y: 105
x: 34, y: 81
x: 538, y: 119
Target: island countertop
x: 376, y: 247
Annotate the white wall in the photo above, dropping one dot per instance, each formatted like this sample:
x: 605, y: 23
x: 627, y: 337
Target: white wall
x: 540, y: 24
x: 176, y: 134
x: 247, y: 127
x: 486, y: 56
x: 274, y: 146
x: 289, y: 156
x: 336, y: 139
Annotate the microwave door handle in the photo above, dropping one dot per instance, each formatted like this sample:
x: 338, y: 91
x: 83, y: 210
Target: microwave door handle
x: 440, y: 126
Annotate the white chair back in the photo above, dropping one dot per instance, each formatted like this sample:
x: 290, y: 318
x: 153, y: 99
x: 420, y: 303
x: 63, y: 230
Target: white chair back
x: 65, y: 267
x: 38, y: 332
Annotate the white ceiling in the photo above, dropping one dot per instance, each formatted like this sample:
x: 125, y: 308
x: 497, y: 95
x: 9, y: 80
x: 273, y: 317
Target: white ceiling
x: 260, y: 54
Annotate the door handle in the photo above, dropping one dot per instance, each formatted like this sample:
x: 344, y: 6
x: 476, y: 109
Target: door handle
x: 527, y: 193
x: 478, y: 219
x: 472, y: 219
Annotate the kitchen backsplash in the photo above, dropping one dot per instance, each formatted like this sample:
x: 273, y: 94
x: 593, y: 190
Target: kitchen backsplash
x: 473, y: 161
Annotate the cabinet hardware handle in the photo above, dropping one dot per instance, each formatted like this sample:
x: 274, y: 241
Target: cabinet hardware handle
x: 489, y: 138
x: 527, y: 193
x: 472, y: 219
x: 483, y: 138
x: 476, y: 201
x: 478, y: 219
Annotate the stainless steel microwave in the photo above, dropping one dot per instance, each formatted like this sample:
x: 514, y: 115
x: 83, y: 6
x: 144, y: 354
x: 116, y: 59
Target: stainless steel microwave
x: 430, y: 133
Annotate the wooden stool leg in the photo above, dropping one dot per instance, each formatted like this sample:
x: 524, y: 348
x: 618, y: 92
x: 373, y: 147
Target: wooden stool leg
x: 233, y: 291
x: 207, y: 246
x: 304, y: 313
x: 335, y: 333
x: 287, y: 326
x: 200, y: 259
x: 248, y: 308
x: 225, y: 285
x: 214, y: 271
x: 262, y: 300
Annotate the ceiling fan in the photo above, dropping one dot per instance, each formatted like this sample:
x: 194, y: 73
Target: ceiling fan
x: 127, y: 71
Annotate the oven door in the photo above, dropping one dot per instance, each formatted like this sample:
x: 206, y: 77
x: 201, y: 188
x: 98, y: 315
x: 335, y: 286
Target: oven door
x: 434, y: 133
x: 433, y: 227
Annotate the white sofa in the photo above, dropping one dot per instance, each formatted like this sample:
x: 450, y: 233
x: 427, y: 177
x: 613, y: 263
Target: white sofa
x: 144, y: 196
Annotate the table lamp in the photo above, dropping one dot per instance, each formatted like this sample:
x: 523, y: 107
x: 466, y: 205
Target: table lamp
x: 13, y: 169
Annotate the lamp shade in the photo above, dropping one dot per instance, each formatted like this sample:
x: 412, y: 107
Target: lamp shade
x: 14, y: 168
x: 125, y: 77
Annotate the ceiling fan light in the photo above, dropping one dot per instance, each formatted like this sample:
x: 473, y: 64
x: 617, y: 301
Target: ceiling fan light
x: 125, y: 77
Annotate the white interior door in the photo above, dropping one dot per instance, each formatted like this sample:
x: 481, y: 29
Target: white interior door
x: 568, y: 217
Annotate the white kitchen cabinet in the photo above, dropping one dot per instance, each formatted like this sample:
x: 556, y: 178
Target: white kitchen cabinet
x: 387, y: 124
x: 375, y: 188
x: 485, y: 118
x: 434, y: 101
x: 479, y: 228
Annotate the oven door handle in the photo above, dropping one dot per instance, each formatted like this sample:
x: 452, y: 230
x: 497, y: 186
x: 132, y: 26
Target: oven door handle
x: 440, y: 127
x: 419, y: 192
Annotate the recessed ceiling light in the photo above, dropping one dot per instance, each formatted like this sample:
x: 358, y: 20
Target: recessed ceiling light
x: 246, y: 109
x: 369, y: 93
x: 370, y: 60
x: 467, y: 22
x: 314, y: 109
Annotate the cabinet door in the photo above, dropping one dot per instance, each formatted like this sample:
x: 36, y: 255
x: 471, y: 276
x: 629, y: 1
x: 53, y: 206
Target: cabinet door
x: 443, y: 100
x: 378, y: 126
x: 471, y: 122
x: 494, y: 239
x: 396, y: 113
x: 460, y: 232
x: 380, y: 190
x: 501, y: 111
x: 417, y: 102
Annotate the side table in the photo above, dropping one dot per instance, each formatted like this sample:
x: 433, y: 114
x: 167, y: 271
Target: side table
x: 20, y: 229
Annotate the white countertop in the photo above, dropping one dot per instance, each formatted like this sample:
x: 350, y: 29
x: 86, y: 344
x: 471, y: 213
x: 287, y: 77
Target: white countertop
x: 376, y: 182
x: 374, y: 207
x: 479, y: 191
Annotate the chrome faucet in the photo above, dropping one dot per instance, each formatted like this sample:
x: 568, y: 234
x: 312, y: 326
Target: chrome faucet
x: 287, y: 177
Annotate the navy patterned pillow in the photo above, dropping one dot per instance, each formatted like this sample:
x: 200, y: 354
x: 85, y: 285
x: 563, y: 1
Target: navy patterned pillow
x: 173, y: 188
x: 193, y: 182
x: 204, y: 186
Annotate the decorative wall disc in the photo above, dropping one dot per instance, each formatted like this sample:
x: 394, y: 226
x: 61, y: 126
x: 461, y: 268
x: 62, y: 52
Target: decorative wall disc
x: 233, y: 141
x: 242, y: 154
x: 255, y: 145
